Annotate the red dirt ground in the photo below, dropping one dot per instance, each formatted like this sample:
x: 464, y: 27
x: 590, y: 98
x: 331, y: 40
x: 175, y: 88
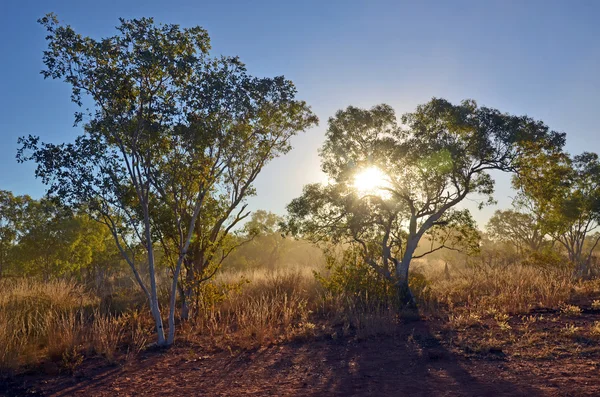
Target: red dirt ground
x: 412, y: 363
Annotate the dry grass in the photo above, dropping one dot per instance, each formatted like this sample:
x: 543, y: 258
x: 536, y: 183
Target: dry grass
x: 38, y: 320
x: 55, y: 321
x: 516, y: 289
x: 284, y: 305
x: 60, y: 321
x: 272, y: 306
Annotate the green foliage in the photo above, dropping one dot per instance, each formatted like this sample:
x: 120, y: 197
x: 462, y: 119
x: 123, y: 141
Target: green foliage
x: 212, y: 293
x: 41, y: 238
x: 171, y: 146
x: 517, y: 228
x: 348, y: 275
x: 547, y: 260
x: 441, y: 154
x: 262, y: 245
x: 564, y: 193
x: 12, y: 214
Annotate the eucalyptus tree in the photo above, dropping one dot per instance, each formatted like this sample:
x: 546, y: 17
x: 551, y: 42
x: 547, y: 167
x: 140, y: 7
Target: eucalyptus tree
x: 12, y: 209
x: 54, y: 241
x: 565, y: 191
x: 416, y: 175
x: 520, y: 229
x: 172, y: 142
x: 264, y: 228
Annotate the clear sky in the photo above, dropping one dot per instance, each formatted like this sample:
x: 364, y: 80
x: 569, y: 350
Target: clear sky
x: 540, y: 58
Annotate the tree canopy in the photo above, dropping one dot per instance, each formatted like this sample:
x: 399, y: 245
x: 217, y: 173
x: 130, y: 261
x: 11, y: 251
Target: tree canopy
x: 563, y: 191
x: 438, y: 156
x: 172, y: 143
x: 520, y: 229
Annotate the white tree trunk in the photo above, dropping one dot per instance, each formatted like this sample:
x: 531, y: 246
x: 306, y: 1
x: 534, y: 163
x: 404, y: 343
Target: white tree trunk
x: 402, y: 269
x: 154, y: 305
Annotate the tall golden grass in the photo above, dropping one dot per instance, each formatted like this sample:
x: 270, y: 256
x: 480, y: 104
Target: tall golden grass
x: 514, y: 289
x: 56, y: 321
x: 60, y: 321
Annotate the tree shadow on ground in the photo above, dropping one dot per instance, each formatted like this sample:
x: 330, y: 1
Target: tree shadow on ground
x: 414, y: 362
x: 411, y: 362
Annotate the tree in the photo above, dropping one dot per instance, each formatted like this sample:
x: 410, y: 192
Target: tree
x: 565, y: 191
x: 517, y: 228
x: 12, y: 209
x: 425, y: 168
x: 55, y: 242
x: 267, y: 244
x: 172, y: 144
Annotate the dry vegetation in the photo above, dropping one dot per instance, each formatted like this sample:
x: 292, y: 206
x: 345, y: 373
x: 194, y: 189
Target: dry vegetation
x: 59, y: 322
x: 517, y: 310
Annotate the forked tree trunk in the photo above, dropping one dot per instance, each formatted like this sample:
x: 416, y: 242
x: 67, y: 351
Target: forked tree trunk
x: 158, y: 322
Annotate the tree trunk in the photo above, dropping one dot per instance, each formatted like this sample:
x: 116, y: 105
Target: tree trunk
x: 404, y: 293
x: 582, y: 270
x: 154, y: 305
x: 187, y: 296
x: 171, y: 337
x: 193, y: 274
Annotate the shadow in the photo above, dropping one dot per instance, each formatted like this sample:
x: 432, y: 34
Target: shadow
x: 411, y: 362
x: 61, y: 385
x: 414, y: 362
x: 78, y: 385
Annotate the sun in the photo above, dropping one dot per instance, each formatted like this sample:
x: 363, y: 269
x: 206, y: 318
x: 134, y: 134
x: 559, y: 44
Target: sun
x: 371, y: 181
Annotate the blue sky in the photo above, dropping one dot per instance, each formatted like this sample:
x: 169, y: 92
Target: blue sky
x: 540, y: 58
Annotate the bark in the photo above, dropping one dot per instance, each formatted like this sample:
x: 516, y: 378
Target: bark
x: 185, y: 304
x: 187, y: 294
x: 180, y: 260
x: 154, y: 305
x: 402, y: 268
x: 194, y: 270
x: 171, y: 337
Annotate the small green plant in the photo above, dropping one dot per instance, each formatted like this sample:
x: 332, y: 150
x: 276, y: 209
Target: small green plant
x: 504, y: 325
x: 501, y: 317
x: 464, y: 320
x: 570, y: 310
x: 570, y: 330
x: 528, y: 321
x: 595, y: 329
x: 71, y: 360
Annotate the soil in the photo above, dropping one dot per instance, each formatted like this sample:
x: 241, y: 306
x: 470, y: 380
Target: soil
x: 419, y: 360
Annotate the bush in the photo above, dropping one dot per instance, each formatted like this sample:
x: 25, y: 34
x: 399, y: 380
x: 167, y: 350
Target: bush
x: 349, y: 275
